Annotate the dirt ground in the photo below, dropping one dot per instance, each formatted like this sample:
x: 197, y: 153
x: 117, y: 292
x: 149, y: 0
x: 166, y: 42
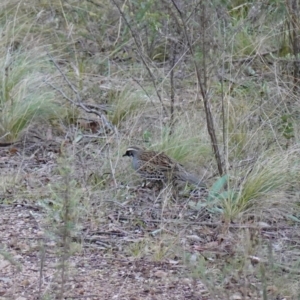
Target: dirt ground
x: 135, y: 248
x: 99, y: 268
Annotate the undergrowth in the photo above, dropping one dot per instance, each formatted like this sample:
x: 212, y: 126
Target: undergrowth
x: 141, y: 66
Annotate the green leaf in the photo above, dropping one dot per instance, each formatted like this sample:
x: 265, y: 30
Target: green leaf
x: 147, y: 136
x: 232, y: 195
x: 293, y: 218
x: 219, y: 184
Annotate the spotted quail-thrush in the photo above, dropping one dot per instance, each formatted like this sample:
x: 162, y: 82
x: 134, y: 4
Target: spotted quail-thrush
x: 157, y: 166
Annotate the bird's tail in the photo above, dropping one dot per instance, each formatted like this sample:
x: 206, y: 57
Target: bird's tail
x: 191, y: 178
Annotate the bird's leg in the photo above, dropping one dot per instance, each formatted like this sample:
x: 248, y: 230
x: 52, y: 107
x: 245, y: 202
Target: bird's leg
x: 171, y: 181
x: 175, y: 194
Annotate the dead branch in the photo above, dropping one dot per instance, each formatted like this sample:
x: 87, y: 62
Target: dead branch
x: 79, y: 103
x: 136, y: 40
x: 202, y: 81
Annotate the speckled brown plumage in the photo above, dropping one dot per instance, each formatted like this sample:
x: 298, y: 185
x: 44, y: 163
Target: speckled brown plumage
x: 157, y: 166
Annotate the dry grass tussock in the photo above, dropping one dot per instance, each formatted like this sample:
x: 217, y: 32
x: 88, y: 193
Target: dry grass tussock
x: 214, y: 86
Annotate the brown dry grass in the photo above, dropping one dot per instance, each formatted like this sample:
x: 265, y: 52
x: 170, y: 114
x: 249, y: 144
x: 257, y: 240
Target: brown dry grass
x: 75, y: 221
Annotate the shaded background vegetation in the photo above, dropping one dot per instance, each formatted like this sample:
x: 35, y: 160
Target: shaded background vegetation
x: 214, y: 85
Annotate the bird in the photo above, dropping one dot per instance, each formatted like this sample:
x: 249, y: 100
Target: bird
x: 157, y: 166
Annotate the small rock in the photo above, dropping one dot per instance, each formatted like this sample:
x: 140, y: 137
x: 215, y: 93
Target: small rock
x: 160, y: 274
x: 235, y: 296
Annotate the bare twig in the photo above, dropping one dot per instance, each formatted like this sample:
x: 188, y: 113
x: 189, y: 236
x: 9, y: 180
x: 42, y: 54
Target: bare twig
x: 99, y: 5
x: 172, y: 102
x: 87, y: 108
x: 65, y: 234
x: 42, y: 263
x: 146, y: 93
x: 136, y: 40
x: 202, y: 81
x: 294, y: 25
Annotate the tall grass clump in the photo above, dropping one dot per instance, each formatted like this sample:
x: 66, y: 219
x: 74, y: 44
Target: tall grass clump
x: 24, y: 96
x: 125, y: 104
x: 268, y: 183
x: 187, y: 142
x: 258, y: 184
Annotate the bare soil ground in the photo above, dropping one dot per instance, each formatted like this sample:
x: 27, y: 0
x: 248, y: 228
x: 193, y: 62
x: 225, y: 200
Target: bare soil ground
x: 75, y: 220
x: 100, y: 267
x: 137, y: 248
x: 94, y: 273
